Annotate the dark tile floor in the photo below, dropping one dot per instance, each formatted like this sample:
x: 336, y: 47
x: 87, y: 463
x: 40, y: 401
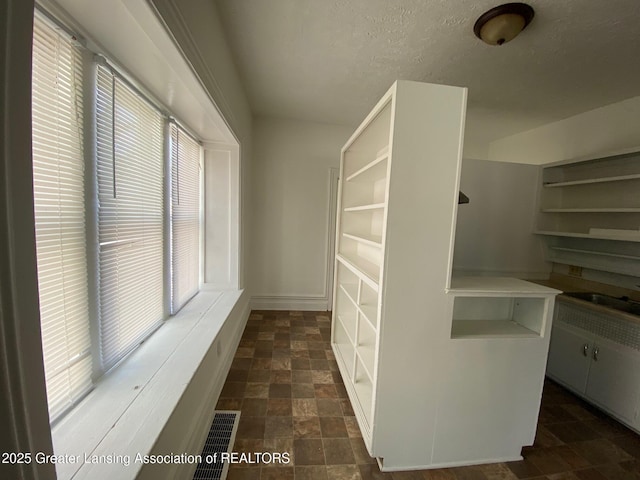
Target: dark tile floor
x: 285, y: 381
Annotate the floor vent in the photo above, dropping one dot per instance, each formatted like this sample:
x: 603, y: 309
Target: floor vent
x: 220, y: 439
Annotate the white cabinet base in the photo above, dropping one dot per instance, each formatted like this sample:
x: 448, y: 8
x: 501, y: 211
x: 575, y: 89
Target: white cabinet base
x: 603, y: 372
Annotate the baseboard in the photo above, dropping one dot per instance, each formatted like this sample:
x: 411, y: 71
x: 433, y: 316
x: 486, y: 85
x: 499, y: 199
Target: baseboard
x: 284, y: 302
x: 436, y: 465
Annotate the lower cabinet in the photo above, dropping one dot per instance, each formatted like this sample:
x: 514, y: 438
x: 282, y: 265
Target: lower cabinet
x: 599, y: 369
x: 569, y: 358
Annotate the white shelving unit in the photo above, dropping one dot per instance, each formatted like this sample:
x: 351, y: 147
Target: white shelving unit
x: 408, y: 340
x: 590, y: 212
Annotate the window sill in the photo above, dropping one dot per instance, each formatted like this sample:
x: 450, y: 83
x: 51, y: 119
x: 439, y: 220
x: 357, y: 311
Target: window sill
x: 125, y: 413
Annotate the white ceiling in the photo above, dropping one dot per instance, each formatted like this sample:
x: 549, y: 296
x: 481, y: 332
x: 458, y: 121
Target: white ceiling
x: 330, y: 60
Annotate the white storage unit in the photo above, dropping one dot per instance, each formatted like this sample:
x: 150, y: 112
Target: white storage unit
x: 597, y: 356
x: 439, y: 372
x: 590, y: 212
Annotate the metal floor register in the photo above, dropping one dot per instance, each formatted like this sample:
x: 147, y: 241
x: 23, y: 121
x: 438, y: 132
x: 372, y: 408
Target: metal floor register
x: 220, y: 439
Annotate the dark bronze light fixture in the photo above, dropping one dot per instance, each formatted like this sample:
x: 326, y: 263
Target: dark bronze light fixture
x: 503, y: 23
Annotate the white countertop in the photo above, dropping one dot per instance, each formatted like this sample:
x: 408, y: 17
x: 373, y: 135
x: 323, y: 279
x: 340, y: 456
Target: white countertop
x: 497, y: 286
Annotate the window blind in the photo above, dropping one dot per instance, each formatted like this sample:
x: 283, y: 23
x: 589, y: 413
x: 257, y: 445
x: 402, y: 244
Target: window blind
x: 185, y: 221
x: 58, y: 184
x: 129, y: 143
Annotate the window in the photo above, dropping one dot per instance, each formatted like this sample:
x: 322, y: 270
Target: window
x: 59, y: 205
x: 185, y: 213
x: 130, y: 216
x: 146, y: 260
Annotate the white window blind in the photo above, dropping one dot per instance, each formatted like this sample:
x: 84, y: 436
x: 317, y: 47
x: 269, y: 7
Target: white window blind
x: 58, y: 184
x: 185, y: 217
x: 129, y: 137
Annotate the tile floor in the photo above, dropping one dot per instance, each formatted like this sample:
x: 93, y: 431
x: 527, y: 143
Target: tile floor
x: 286, y: 383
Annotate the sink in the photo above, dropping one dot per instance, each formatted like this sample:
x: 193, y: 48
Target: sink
x: 620, y: 304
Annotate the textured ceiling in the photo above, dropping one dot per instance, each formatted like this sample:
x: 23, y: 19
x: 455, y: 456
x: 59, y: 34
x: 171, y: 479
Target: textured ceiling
x: 330, y: 60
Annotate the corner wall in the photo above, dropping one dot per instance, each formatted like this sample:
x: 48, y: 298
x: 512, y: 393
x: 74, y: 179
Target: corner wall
x: 290, y: 248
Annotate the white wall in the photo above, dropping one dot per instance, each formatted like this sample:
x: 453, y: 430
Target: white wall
x: 291, y: 211
x: 605, y: 129
x: 494, y: 231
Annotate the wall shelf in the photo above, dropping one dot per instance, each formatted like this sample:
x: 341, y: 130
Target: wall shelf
x: 618, y: 238
x: 619, y: 178
x: 591, y: 210
x: 598, y: 253
x: 593, y: 223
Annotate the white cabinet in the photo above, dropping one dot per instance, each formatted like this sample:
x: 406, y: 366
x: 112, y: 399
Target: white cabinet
x: 590, y: 212
x: 439, y: 371
x: 569, y: 356
x: 602, y: 370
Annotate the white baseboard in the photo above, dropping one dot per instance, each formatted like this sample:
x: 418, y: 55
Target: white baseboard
x: 285, y: 302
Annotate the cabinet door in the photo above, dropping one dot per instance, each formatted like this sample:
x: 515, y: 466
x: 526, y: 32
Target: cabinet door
x: 569, y: 356
x: 614, y: 379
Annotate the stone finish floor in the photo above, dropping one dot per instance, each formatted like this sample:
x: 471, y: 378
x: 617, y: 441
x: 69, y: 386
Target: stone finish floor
x: 285, y: 381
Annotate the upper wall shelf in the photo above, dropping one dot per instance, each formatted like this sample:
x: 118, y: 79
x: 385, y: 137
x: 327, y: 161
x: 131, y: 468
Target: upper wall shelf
x: 593, y: 223
x: 619, y: 238
x: 587, y: 181
x: 591, y: 210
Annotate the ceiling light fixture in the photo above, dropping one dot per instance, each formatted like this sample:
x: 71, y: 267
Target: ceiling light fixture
x: 503, y: 23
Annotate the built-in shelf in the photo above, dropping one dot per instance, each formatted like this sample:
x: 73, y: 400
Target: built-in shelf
x: 362, y: 208
x: 593, y: 252
x: 366, y: 357
x: 489, y: 329
x: 351, y: 291
x: 348, y: 322
x: 346, y: 352
x: 498, y: 307
x: 372, y: 240
x: 495, y: 287
x: 367, y: 271
x: 619, y: 238
x: 591, y: 210
x: 368, y: 312
x: 619, y: 178
x: 376, y: 169
x: 594, y: 223
x: 364, y: 391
